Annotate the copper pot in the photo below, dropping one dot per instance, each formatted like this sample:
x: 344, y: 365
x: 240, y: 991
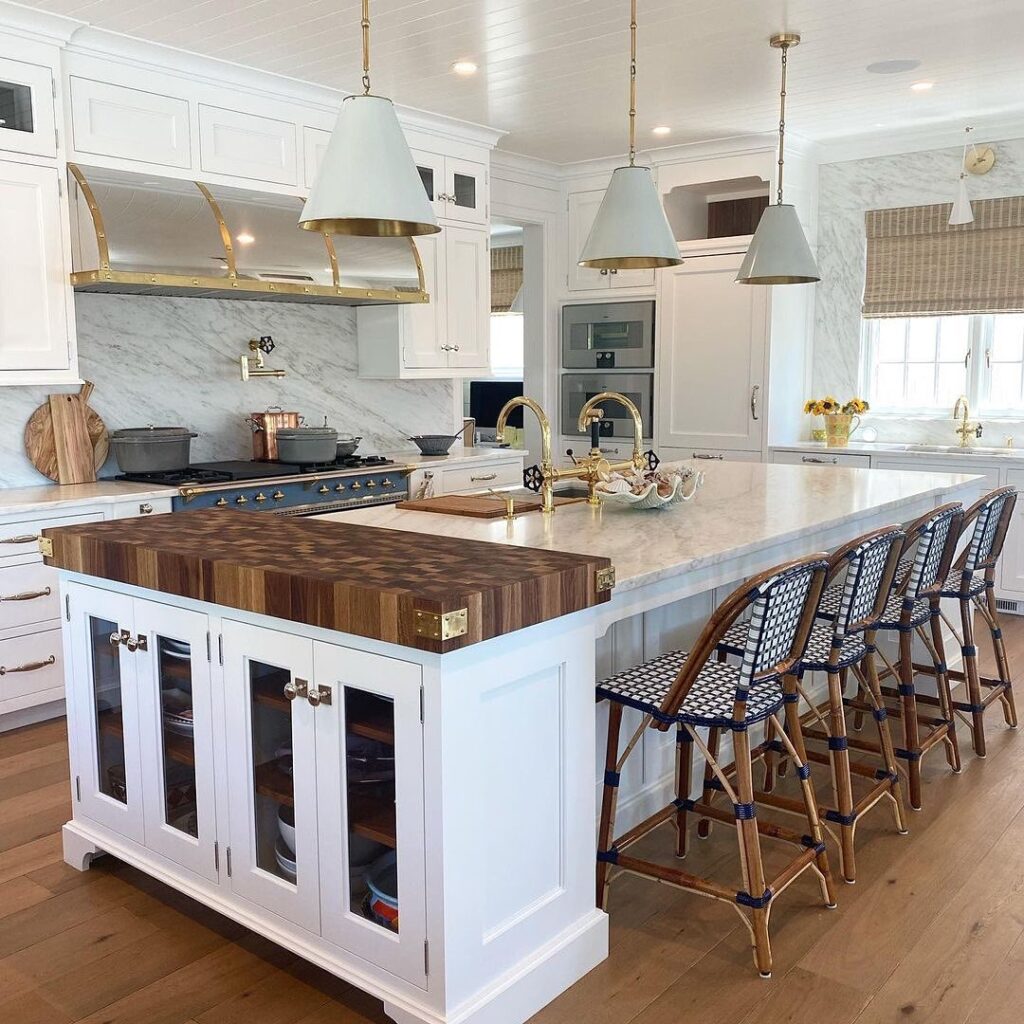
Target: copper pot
x: 265, y: 426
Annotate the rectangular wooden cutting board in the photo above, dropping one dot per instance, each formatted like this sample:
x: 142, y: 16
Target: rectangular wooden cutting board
x: 477, y: 506
x: 433, y: 593
x: 71, y: 440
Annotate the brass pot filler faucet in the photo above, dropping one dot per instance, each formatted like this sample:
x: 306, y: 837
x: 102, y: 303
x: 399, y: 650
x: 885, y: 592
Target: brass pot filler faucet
x: 593, y: 467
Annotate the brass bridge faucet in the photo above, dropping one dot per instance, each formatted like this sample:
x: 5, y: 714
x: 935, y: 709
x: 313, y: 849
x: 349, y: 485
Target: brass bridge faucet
x: 965, y: 430
x: 593, y: 467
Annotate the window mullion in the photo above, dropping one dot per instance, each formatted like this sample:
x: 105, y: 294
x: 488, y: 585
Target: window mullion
x: 978, y: 381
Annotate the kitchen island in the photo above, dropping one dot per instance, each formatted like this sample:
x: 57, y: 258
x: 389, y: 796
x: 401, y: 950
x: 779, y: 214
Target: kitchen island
x: 284, y: 719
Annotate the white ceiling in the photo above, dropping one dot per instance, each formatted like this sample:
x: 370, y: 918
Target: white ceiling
x: 554, y: 74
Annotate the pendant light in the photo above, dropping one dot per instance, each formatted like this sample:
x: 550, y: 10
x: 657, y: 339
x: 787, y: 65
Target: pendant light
x: 962, y: 212
x: 779, y: 253
x: 368, y: 183
x: 631, y: 231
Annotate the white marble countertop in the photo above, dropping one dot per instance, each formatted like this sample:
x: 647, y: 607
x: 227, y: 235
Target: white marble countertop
x: 934, y: 451
x: 743, y: 507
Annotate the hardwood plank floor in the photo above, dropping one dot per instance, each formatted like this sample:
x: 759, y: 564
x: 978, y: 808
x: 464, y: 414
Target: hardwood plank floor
x: 933, y: 930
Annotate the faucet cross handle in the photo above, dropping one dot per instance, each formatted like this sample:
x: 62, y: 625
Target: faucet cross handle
x: 533, y: 478
x: 652, y: 460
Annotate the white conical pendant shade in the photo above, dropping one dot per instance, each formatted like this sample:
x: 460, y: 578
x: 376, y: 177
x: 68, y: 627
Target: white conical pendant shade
x: 631, y: 231
x: 962, y: 212
x: 368, y: 183
x: 778, y: 253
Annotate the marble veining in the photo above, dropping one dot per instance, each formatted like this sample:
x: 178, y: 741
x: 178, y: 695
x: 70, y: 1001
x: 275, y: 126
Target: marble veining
x: 846, y: 191
x: 174, y: 361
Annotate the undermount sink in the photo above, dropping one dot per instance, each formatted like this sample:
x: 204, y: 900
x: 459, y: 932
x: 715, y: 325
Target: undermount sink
x: 955, y: 449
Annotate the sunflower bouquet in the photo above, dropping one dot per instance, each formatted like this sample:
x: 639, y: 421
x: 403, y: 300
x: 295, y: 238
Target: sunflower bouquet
x: 821, y: 406
x: 855, y: 407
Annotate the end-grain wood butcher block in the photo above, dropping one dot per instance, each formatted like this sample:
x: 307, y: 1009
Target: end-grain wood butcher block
x: 385, y: 584
x: 55, y: 443
x: 477, y: 506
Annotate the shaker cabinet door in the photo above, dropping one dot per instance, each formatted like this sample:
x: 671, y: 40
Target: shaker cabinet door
x: 469, y: 297
x: 272, y: 772
x: 103, y: 702
x: 369, y: 745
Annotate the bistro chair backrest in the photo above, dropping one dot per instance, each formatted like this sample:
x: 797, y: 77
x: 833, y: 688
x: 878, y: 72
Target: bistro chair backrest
x: 871, y: 563
x: 935, y: 536
x: 991, y: 515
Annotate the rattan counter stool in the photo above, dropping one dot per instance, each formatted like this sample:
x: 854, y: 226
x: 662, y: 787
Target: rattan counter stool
x: 913, y: 604
x: 859, y: 580
x: 971, y: 582
x: 689, y: 691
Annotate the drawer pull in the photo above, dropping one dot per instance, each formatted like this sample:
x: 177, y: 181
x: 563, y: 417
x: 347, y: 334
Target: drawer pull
x: 819, y: 461
x: 704, y: 455
x: 482, y: 479
x: 25, y: 538
x: 29, y: 666
x: 29, y: 595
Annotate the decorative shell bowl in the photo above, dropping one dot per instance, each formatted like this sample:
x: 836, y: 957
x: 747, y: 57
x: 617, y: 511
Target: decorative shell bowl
x: 660, y: 491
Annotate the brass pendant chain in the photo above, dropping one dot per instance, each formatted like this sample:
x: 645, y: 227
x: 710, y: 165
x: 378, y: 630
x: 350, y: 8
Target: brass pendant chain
x: 782, y: 117
x: 632, y: 83
x: 366, y: 47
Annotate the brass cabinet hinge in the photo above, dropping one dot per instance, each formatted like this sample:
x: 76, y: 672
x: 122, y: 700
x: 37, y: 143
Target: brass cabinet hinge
x: 604, y: 579
x: 442, y: 625
x: 46, y: 547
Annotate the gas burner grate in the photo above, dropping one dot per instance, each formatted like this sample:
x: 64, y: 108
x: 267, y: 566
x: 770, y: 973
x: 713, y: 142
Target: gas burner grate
x: 179, y: 477
x: 346, y: 462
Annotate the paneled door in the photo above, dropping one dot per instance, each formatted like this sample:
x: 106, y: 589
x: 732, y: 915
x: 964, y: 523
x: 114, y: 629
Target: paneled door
x: 103, y: 696
x: 712, y: 338
x: 372, y: 871
x: 272, y: 856
x: 175, y: 707
x: 468, y: 271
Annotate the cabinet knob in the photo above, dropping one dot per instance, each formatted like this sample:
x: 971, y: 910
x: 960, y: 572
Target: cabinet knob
x: 319, y: 695
x: 298, y: 688
x: 145, y: 509
x: 115, y: 639
x: 604, y: 271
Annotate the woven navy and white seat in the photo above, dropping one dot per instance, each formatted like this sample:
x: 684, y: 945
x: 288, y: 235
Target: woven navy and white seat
x: 690, y: 691
x: 858, y: 584
x: 971, y: 582
x: 913, y: 605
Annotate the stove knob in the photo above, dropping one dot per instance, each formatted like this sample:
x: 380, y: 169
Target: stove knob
x: 371, y: 484
x: 241, y: 500
x: 357, y: 486
x: 278, y: 495
x: 324, y: 489
x: 261, y: 497
x: 339, y: 488
x: 221, y: 502
x: 386, y: 483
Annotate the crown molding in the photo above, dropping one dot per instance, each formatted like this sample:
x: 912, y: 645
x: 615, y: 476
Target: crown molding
x: 526, y: 170
x: 35, y: 24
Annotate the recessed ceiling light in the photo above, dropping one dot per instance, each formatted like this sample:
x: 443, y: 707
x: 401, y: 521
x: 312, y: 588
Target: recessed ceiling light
x: 244, y: 238
x: 893, y: 67
x: 922, y: 86
x: 661, y: 129
x: 464, y: 67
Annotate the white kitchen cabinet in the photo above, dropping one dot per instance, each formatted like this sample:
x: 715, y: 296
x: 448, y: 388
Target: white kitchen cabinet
x: 26, y: 103
x: 457, y: 188
x: 582, y: 211
x: 1011, y: 579
x: 712, y: 341
x: 129, y: 124
x: 822, y: 458
x: 314, y: 149
x: 706, y: 455
x: 450, y: 335
x: 246, y: 145
x: 36, y: 314
x: 140, y: 704
x: 479, y: 475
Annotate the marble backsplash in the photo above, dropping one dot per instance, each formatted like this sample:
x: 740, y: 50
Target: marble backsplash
x: 171, y: 361
x: 846, y: 191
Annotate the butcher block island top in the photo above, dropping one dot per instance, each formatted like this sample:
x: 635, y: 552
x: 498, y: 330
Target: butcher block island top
x: 384, y: 584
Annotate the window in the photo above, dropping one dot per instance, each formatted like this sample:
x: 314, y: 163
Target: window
x: 507, y: 345
x: 920, y: 365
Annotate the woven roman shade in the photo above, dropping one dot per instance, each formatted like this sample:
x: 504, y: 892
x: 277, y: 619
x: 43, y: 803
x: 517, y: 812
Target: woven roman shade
x: 918, y: 265
x: 506, y: 276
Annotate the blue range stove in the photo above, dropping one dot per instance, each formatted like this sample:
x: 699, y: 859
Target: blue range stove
x: 285, y: 488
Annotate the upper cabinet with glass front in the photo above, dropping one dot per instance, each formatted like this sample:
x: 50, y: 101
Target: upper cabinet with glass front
x: 26, y: 109
x: 457, y: 188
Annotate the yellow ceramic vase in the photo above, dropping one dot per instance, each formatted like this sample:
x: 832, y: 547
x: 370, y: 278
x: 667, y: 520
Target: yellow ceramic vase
x: 838, y: 428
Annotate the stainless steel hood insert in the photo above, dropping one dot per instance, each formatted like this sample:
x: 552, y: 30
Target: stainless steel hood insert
x: 141, y: 234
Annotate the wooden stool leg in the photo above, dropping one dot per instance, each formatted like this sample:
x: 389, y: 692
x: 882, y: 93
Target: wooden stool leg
x: 839, y: 755
x: 611, y: 791
x: 770, y: 761
x: 874, y: 694
x: 708, y: 792
x: 684, y: 769
x: 1002, y: 662
x: 750, y: 852
x: 945, y: 695
x: 911, y: 731
x: 974, y: 695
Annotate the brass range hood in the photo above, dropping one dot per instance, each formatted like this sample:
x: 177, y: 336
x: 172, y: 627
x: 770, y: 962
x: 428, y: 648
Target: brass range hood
x: 141, y: 234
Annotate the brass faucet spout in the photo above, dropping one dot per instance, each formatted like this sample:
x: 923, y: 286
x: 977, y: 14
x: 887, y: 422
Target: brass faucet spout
x: 587, y: 414
x: 546, y: 462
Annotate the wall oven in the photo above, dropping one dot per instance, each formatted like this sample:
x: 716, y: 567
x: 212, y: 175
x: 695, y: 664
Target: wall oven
x: 608, y: 336
x: 578, y: 388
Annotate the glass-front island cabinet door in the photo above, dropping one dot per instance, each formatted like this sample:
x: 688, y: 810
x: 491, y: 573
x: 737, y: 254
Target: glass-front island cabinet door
x: 272, y: 774
x: 103, y: 699
x: 369, y: 748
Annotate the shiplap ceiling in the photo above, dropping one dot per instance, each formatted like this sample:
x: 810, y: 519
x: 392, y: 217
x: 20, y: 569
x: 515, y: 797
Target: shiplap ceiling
x: 553, y: 72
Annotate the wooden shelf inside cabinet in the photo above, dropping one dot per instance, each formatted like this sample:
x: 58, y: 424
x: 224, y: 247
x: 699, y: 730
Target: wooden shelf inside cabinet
x: 272, y: 699
x: 373, y: 819
x: 272, y: 782
x: 370, y: 716
x: 178, y: 748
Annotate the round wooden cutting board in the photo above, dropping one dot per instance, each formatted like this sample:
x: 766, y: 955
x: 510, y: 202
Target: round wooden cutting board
x: 41, y: 445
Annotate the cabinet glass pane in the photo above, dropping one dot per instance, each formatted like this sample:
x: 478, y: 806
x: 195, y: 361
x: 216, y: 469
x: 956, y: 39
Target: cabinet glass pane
x: 370, y: 797
x: 465, y: 191
x: 274, y: 801
x: 174, y: 674
x: 106, y: 682
x: 16, y: 107
x: 427, y: 177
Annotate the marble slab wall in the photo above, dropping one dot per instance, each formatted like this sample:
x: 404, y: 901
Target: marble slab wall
x: 846, y: 191
x: 171, y: 361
